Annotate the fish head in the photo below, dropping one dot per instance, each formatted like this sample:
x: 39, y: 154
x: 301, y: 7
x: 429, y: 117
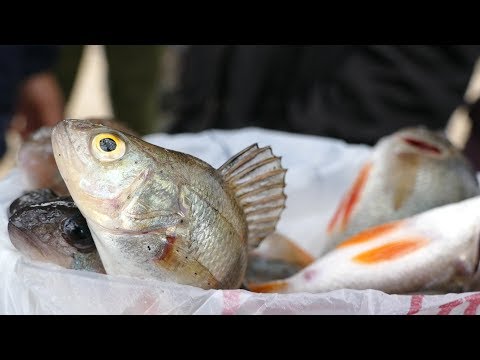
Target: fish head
x: 30, y: 198
x: 52, y: 231
x: 102, y: 167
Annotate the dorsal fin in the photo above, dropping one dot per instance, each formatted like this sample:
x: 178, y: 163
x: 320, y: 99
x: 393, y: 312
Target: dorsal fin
x: 257, y: 178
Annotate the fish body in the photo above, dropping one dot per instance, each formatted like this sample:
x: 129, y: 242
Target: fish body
x: 159, y: 213
x: 435, y: 251
x: 54, y: 231
x: 410, y: 171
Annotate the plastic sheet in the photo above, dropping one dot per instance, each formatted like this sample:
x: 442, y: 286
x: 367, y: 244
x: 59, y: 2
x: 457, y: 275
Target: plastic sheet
x: 319, y: 171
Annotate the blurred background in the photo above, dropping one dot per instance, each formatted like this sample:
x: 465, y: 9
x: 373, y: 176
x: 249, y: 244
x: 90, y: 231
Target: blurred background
x: 357, y: 93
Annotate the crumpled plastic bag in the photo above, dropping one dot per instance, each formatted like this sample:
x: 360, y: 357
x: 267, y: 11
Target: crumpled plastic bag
x: 319, y: 172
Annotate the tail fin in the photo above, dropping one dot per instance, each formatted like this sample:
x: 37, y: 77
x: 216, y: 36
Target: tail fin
x: 280, y: 247
x: 257, y: 178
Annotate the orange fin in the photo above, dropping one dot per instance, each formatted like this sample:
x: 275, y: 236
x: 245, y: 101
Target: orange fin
x: 269, y: 287
x: 280, y: 247
x: 391, y: 251
x: 371, y: 233
x: 349, y: 201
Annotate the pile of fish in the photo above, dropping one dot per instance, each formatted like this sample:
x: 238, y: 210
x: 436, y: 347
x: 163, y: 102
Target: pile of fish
x: 46, y: 227
x: 409, y: 222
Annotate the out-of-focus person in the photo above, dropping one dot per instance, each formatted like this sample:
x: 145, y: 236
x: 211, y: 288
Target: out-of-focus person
x: 358, y: 93
x: 29, y: 93
x: 134, y: 74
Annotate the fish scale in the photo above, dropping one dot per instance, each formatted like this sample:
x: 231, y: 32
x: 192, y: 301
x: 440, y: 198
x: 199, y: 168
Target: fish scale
x: 162, y: 214
x: 403, y: 181
x: 444, y: 258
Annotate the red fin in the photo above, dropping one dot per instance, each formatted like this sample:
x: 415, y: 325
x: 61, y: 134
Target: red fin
x: 391, y: 251
x: 348, y: 203
x: 333, y: 222
x: 268, y: 287
x: 422, y: 145
x: 371, y: 234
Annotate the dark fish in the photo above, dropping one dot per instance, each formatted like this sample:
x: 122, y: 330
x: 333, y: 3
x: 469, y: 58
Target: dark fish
x: 54, y: 231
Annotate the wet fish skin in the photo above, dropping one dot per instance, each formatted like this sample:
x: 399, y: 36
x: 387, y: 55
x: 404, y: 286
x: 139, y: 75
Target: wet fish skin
x: 410, y: 171
x: 56, y: 232
x: 435, y: 251
x: 278, y: 257
x: 37, y: 164
x: 159, y: 213
x: 30, y: 198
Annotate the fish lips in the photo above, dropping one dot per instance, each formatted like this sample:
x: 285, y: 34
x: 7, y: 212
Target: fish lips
x: 71, y: 147
x: 74, y: 132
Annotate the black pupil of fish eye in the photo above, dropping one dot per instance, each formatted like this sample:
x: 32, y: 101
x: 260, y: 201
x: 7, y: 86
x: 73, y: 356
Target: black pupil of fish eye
x: 108, y: 144
x: 77, y: 233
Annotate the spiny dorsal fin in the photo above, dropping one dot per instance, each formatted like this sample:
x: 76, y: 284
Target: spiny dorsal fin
x: 257, y: 178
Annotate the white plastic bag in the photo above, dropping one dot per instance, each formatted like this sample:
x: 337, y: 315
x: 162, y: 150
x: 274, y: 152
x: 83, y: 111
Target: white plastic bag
x: 319, y: 171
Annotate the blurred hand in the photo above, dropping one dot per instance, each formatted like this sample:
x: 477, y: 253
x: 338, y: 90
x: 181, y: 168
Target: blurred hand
x: 40, y: 103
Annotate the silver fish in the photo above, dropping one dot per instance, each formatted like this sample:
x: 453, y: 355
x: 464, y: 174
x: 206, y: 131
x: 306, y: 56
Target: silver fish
x: 410, y: 171
x: 159, y: 213
x: 435, y: 251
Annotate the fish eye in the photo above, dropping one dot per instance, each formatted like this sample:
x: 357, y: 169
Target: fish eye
x: 107, y: 144
x: 108, y: 147
x: 75, y: 231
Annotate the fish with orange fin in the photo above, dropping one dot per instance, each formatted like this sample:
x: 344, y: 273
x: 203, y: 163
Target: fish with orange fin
x: 410, y: 171
x: 435, y: 251
x: 159, y: 213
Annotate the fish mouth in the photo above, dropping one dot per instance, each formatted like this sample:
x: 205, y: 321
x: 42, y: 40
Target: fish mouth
x: 64, y: 133
x: 70, y: 147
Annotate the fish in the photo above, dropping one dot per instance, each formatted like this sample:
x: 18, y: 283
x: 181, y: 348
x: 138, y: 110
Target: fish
x: 410, y: 171
x: 278, y: 257
x: 162, y: 214
x: 30, y: 198
x: 37, y: 164
x: 54, y: 231
x: 436, y: 251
